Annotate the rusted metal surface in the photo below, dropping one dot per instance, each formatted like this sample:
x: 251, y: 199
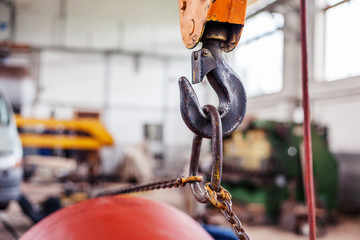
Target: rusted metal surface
x: 217, y: 156
x: 168, y: 183
x: 194, y: 168
x: 234, y: 221
x: 218, y: 197
x: 217, y: 147
x: 225, y: 82
x: 213, y: 192
x: 195, y: 15
x: 228, y: 34
x: 218, y: 24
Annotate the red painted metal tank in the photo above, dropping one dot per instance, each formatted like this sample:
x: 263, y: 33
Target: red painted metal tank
x: 122, y: 218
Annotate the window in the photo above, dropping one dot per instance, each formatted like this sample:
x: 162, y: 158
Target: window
x: 342, y: 38
x: 259, y: 57
x: 153, y: 132
x: 4, y: 114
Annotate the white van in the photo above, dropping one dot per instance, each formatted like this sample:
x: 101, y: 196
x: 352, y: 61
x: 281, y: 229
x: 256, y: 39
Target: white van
x: 11, y: 153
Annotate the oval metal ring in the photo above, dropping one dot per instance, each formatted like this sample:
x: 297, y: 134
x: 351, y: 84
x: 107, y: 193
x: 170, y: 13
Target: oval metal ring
x: 217, y: 156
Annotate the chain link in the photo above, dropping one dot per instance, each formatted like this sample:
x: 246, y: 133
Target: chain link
x: 213, y: 196
x: 222, y: 200
x: 167, y: 183
x: 234, y: 221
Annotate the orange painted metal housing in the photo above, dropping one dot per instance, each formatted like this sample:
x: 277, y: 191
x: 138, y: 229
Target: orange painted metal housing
x: 195, y: 14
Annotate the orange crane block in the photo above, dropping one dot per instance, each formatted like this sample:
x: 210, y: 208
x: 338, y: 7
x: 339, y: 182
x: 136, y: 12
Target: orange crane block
x: 118, y: 217
x: 195, y: 14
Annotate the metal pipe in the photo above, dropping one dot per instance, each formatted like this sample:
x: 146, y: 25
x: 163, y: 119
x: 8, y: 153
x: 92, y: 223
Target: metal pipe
x: 309, y: 178
x: 336, y: 4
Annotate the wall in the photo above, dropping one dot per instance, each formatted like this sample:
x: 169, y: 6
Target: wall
x: 129, y: 91
x: 333, y: 104
x: 124, y: 60
x: 143, y: 26
x: 336, y: 105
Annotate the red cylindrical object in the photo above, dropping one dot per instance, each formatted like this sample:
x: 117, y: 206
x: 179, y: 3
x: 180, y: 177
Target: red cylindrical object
x: 125, y: 218
x: 309, y: 178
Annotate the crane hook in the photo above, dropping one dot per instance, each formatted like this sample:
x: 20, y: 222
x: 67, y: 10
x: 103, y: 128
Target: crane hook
x: 210, y: 61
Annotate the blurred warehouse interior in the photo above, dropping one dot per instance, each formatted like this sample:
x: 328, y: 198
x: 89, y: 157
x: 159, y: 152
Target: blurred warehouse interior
x: 96, y: 82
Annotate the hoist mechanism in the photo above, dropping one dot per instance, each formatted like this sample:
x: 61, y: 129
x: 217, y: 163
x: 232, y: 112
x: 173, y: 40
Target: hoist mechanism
x: 202, y: 20
x: 218, y: 25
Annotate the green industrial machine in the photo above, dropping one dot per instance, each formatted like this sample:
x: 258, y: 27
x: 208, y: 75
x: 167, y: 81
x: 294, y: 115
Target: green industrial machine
x: 263, y: 164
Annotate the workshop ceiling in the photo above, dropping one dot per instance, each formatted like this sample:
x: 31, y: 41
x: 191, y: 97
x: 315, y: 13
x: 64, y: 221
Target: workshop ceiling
x: 143, y: 25
x: 138, y: 11
x: 147, y: 26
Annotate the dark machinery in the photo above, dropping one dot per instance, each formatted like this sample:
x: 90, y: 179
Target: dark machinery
x: 264, y: 164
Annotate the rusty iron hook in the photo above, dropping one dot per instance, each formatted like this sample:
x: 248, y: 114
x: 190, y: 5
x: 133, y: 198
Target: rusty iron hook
x: 210, y: 61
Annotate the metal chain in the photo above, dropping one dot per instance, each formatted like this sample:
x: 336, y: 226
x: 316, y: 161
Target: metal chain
x: 167, y: 183
x: 219, y: 197
x: 224, y: 203
x: 222, y: 200
x: 234, y: 221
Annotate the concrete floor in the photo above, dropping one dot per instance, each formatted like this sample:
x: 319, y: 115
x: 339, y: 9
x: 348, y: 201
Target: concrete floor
x: 348, y: 227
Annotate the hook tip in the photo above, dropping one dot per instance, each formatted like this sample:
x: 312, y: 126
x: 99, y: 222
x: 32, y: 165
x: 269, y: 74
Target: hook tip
x: 181, y: 79
x: 184, y: 83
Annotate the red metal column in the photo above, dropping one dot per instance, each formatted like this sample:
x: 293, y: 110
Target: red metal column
x: 309, y: 179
